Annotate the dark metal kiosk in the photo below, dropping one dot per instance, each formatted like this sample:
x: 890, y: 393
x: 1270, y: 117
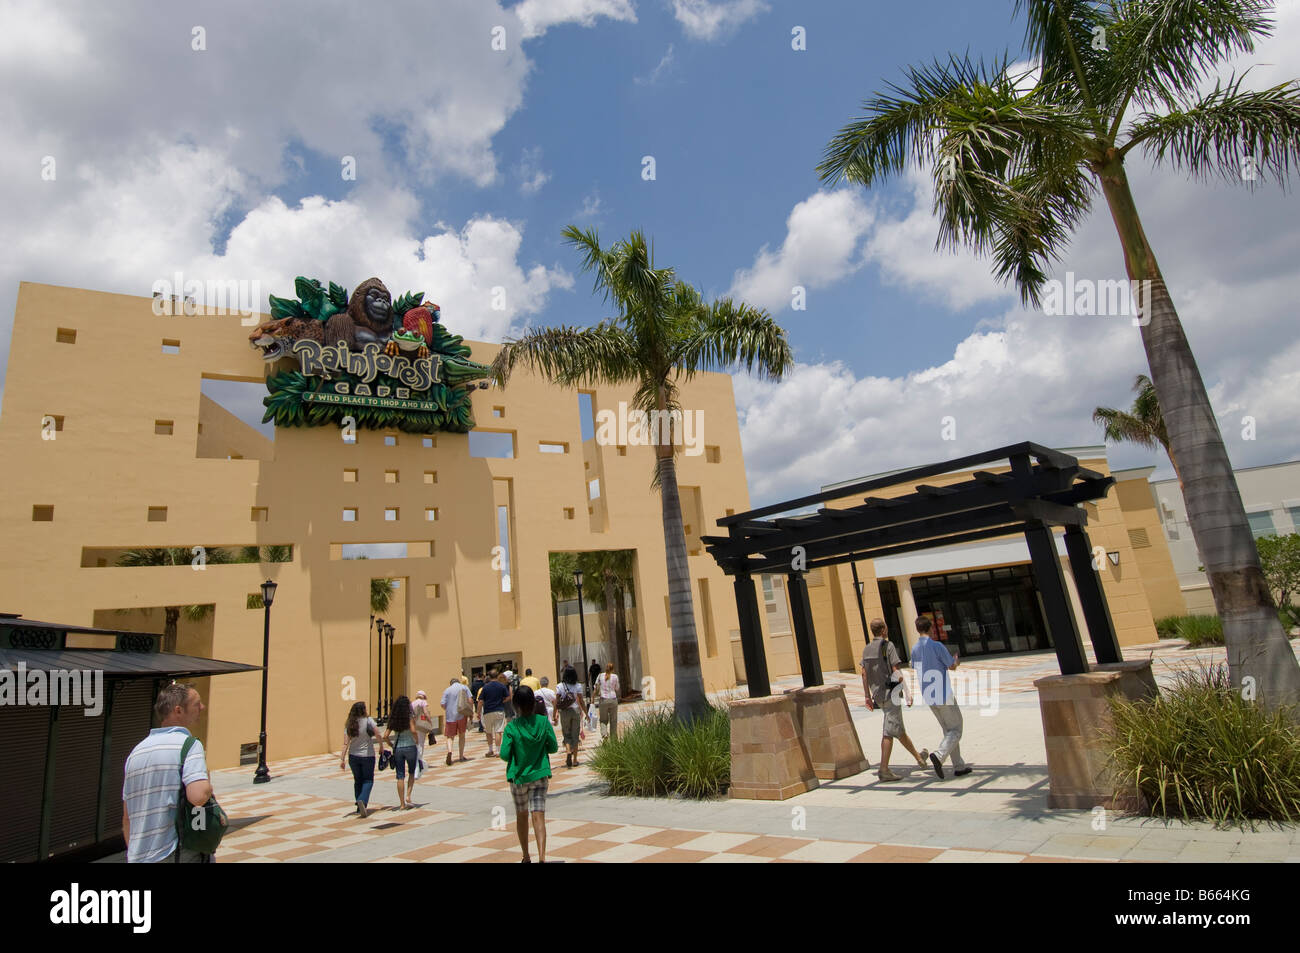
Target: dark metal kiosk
x: 1028, y: 489
x: 61, y: 761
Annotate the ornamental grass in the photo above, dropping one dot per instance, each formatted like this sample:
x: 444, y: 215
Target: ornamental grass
x: 1202, y: 752
x: 656, y: 755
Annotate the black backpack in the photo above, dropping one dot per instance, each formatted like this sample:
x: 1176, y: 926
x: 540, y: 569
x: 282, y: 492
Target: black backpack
x: 565, y: 696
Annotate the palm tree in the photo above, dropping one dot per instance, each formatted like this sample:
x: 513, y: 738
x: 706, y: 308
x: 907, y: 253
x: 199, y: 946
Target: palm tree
x: 613, y: 569
x: 563, y: 588
x: 663, y: 334
x: 1017, y: 161
x: 1143, y: 424
x: 175, y: 556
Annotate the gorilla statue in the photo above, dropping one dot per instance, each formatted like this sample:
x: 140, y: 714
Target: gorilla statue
x: 368, y: 319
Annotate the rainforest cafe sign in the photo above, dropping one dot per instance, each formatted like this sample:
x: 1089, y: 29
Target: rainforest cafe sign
x: 325, y: 360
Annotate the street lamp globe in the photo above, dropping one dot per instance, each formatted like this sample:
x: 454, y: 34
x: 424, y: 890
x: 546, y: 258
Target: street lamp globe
x: 268, y: 592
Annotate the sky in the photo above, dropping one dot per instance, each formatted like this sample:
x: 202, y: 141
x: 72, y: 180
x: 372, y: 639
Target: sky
x: 216, y: 140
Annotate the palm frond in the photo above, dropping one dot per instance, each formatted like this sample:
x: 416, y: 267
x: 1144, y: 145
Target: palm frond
x: 1059, y: 36
x: 735, y: 333
x: 1217, y: 134
x: 570, y: 356
x: 1161, y: 51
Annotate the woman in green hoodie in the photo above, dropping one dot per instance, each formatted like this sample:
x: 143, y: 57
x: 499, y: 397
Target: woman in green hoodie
x: 526, y: 746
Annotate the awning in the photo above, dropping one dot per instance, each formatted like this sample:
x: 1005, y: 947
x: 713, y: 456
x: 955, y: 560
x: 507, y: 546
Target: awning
x: 119, y: 664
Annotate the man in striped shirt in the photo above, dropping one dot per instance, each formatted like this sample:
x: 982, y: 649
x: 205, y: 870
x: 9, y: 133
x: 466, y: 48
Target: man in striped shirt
x: 154, y: 776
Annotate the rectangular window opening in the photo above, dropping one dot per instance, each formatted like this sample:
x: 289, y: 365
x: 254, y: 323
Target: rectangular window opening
x: 42, y: 514
x: 164, y: 428
x: 492, y: 444
x: 66, y: 336
x: 171, y: 346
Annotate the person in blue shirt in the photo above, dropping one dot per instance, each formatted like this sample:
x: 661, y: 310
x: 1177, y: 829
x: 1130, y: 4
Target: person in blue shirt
x: 932, y: 662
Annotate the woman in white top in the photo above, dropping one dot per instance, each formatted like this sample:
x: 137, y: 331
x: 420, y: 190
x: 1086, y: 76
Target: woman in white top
x: 359, y: 737
x: 607, y: 692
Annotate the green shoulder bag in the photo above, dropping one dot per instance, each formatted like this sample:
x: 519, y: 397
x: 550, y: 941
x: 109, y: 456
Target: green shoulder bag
x: 199, y: 829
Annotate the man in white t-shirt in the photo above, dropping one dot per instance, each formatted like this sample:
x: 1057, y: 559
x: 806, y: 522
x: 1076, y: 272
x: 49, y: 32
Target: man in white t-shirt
x: 456, y: 707
x: 154, y: 778
x: 547, y: 695
x: 607, y: 692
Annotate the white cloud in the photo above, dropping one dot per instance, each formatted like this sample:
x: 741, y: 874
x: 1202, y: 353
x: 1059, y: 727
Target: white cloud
x: 822, y: 235
x: 904, y: 249
x: 158, y: 147
x: 712, y: 19
x: 661, y: 69
x: 538, y: 16
x: 592, y: 206
x: 529, y: 170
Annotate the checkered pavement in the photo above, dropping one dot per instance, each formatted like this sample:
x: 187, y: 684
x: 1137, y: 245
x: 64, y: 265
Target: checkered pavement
x: 577, y: 841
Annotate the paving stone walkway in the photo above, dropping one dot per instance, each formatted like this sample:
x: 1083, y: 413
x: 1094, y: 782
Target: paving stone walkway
x: 998, y: 813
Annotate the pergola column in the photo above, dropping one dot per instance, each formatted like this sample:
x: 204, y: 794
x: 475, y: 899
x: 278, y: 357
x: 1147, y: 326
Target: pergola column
x: 805, y: 637
x: 1056, y: 603
x: 907, y: 606
x: 1092, y: 597
x: 751, y: 637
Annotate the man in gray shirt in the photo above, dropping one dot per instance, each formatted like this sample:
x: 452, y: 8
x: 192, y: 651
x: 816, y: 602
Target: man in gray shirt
x: 880, y: 663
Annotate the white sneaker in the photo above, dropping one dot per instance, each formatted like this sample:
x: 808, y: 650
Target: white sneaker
x: 419, y: 769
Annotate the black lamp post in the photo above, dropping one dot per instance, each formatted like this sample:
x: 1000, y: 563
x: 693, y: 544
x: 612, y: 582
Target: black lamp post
x: 262, y: 775
x: 379, y: 685
x: 582, y: 627
x: 388, y: 705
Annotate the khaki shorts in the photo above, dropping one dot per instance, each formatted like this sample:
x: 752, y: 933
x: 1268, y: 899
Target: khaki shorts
x: 893, y: 726
x: 494, y: 722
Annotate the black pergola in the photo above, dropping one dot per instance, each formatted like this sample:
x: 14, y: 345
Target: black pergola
x: 1039, y: 488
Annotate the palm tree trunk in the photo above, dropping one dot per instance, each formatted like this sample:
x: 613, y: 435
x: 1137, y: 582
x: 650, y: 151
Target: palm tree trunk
x: 555, y: 627
x: 611, y: 626
x: 172, y: 614
x: 620, y: 627
x: 1257, y: 647
x: 688, y: 678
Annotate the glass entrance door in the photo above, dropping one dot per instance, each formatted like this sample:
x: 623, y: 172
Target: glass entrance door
x: 985, y: 612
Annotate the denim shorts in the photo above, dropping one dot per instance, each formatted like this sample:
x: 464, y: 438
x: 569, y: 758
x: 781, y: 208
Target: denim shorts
x: 404, y: 759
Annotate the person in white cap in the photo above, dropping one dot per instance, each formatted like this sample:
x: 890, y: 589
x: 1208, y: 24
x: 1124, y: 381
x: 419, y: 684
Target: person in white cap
x: 423, y: 724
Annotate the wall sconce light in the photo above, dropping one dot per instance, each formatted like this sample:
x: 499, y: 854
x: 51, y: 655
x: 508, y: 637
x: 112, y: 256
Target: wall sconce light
x: 1113, y: 557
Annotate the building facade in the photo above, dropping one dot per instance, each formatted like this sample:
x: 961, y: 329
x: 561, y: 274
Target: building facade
x: 1271, y: 495
x: 111, y: 447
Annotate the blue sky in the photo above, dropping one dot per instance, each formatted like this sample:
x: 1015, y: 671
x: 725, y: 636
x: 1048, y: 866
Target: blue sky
x: 225, y: 162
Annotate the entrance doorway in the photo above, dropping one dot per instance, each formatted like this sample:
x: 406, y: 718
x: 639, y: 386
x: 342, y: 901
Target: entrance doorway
x: 985, y: 612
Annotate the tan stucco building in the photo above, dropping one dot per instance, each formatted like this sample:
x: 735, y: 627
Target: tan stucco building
x: 110, y: 445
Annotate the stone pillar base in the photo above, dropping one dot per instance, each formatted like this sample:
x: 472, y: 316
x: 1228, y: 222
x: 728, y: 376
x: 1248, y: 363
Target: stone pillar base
x: 827, y: 731
x: 768, y: 761
x: 1075, y: 711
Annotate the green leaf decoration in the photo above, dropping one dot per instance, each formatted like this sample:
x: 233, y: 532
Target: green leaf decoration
x: 404, y: 304
x: 286, y: 308
x: 338, y: 296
